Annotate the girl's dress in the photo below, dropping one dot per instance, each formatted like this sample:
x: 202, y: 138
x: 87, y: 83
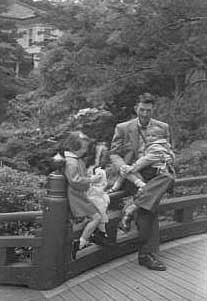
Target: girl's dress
x: 97, y: 194
x: 78, y: 185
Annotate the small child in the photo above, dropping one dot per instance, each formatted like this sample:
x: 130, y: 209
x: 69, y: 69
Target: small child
x: 159, y: 155
x: 133, y: 177
x: 98, y: 196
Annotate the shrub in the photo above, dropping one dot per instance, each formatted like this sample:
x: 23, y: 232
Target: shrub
x: 20, y: 191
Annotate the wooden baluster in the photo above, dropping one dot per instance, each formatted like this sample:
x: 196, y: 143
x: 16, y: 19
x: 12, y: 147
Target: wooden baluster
x: 184, y: 215
x: 3, y: 256
x: 54, y: 253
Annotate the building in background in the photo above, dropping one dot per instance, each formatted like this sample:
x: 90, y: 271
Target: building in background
x: 32, y: 31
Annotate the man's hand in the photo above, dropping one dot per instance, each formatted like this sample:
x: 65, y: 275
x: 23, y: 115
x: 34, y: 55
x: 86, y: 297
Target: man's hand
x: 125, y: 170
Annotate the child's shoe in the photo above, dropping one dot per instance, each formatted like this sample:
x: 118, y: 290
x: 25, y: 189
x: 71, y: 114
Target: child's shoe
x: 125, y: 223
x: 100, y: 238
x: 75, y: 248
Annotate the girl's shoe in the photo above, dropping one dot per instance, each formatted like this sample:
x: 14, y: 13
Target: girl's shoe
x: 75, y: 248
x: 100, y: 238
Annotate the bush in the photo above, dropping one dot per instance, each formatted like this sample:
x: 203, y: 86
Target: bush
x: 20, y: 191
x: 192, y: 161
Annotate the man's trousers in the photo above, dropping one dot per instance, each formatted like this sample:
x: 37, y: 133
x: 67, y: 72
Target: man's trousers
x: 147, y: 213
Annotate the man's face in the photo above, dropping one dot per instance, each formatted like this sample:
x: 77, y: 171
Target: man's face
x: 144, y: 112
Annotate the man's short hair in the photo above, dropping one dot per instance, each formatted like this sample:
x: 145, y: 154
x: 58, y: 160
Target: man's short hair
x: 146, y: 98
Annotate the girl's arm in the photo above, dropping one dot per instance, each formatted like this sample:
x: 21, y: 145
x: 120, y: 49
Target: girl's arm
x: 74, y: 178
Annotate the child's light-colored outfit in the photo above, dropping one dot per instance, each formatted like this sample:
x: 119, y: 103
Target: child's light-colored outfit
x: 98, y: 196
x: 78, y: 184
x: 159, y: 155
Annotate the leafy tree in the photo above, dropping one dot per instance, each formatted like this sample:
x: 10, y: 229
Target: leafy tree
x: 118, y: 49
x: 10, y: 53
x: 111, y: 52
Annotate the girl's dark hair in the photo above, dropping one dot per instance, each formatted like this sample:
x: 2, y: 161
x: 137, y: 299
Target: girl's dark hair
x: 91, y: 155
x: 73, y: 141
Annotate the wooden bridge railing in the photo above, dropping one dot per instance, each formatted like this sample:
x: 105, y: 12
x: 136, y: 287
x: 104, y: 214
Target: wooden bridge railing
x: 50, y: 263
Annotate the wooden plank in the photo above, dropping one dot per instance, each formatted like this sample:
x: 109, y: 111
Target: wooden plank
x: 81, y: 294
x: 94, y: 291
x: 176, y: 277
x: 145, y: 282
x: 189, y: 276
x: 188, y: 280
x: 143, y: 290
x: 173, y: 284
x: 180, y: 292
x: 108, y: 289
x: 199, y: 250
x: 185, y: 261
x: 199, y: 247
x: 192, y: 256
x: 187, y: 249
x: 68, y: 295
x: 56, y: 298
x: 183, y: 265
x: 20, y: 241
x: 131, y: 294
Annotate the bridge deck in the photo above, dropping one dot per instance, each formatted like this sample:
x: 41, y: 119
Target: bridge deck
x: 123, y: 279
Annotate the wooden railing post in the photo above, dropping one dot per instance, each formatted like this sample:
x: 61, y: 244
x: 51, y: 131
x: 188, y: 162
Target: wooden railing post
x: 54, y: 253
x: 183, y: 215
x: 2, y: 256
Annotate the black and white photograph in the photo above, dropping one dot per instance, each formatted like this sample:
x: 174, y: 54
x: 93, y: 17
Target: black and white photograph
x: 103, y: 150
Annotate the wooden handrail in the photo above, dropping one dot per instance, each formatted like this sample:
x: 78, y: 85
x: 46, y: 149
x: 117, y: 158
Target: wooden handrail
x: 22, y: 215
x: 51, y: 263
x: 20, y: 241
x: 183, y: 201
x: 189, y: 180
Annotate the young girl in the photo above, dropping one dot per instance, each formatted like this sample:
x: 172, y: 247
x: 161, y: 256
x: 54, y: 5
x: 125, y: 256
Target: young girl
x: 77, y: 148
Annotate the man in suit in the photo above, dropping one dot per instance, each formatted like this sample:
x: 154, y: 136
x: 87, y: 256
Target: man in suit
x: 137, y: 132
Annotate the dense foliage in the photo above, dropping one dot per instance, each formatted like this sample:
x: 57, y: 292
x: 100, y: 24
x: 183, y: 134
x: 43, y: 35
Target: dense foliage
x: 20, y: 191
x: 11, y: 53
x: 114, y: 50
x: 111, y: 52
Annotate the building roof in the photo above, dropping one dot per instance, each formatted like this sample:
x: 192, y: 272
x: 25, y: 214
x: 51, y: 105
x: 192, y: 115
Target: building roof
x: 20, y: 11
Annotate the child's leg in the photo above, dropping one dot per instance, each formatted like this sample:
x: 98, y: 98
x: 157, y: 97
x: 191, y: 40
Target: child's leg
x: 129, y: 210
x: 89, y: 229
x: 125, y: 223
x: 136, y: 179
x: 102, y: 227
x: 79, y: 244
x: 118, y: 183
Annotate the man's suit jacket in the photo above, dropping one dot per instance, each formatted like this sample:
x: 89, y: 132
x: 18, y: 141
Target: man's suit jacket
x: 126, y: 140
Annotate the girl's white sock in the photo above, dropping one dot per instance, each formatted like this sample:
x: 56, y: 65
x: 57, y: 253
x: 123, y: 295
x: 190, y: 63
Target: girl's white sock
x: 83, y: 242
